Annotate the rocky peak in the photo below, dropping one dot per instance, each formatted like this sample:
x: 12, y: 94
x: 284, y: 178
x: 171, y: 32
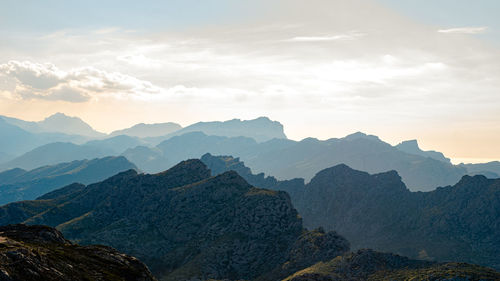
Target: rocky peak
x: 33, y: 233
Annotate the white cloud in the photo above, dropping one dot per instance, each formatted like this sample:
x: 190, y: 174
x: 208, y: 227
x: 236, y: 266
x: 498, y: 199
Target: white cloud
x: 465, y: 30
x: 28, y: 80
x: 339, y: 37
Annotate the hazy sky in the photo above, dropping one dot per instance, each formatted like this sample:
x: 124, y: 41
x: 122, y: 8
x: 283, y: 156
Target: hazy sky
x: 399, y: 69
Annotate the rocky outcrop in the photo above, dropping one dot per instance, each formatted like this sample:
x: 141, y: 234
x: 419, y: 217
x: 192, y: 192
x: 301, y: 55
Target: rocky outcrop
x: 370, y: 265
x: 32, y: 253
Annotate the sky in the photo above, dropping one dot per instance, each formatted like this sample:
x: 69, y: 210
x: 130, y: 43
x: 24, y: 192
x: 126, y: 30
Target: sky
x: 398, y: 69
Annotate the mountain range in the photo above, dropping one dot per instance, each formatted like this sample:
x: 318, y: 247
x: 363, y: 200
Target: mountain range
x: 18, y: 184
x: 452, y: 223
x: 188, y: 225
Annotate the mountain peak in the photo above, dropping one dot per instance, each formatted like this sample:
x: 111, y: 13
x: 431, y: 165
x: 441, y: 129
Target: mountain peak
x: 60, y: 122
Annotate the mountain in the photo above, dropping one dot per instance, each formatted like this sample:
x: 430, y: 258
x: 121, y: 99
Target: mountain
x: 287, y: 159
x: 56, y: 123
x: 368, y: 265
x: 150, y: 159
x: 32, y: 253
x: 116, y: 145
x: 148, y: 130
x: 15, y: 140
x: 260, y: 129
x: 454, y: 223
x: 54, y: 153
x: 490, y: 169
x: 18, y: 184
x: 185, y: 224
x: 411, y: 147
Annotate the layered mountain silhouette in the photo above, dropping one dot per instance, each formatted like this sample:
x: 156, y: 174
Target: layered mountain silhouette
x: 18, y: 184
x: 185, y: 224
x: 490, y: 169
x: 452, y: 223
x: 287, y: 159
x: 57, y: 123
x: 33, y: 253
x: 260, y: 129
x: 148, y: 130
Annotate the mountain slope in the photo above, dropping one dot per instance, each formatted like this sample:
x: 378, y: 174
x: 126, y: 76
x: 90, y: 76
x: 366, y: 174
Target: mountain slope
x: 18, y: 184
x: 42, y: 253
x: 367, y: 265
x: 54, y: 153
x: 148, y: 130
x: 454, y: 223
x: 184, y: 223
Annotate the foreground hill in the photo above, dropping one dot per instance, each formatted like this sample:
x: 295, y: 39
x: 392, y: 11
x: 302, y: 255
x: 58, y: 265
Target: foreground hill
x: 32, y: 253
x: 18, y: 184
x: 367, y: 265
x: 453, y: 223
x: 186, y: 224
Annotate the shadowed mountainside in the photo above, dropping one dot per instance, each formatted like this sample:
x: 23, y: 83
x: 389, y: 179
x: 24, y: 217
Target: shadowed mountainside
x: 453, y: 223
x: 184, y: 223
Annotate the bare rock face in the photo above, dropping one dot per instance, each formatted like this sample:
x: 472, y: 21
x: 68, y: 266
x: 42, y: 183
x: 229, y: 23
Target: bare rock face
x: 42, y: 253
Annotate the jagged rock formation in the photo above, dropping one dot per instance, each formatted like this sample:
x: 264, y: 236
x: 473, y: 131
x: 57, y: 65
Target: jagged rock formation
x: 18, y: 184
x: 32, y: 253
x: 453, y: 223
x: 368, y: 265
x: 185, y: 224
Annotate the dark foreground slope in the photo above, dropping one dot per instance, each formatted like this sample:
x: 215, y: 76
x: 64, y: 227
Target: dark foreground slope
x: 30, y: 253
x: 453, y: 223
x: 18, y: 184
x: 185, y: 224
x: 367, y: 265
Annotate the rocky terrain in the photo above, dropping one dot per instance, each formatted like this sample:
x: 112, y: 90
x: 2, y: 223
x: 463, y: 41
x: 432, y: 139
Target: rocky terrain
x: 453, y: 223
x: 34, y: 253
x: 185, y: 224
x: 368, y: 265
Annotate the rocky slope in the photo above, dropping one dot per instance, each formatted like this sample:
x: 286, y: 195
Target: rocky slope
x: 367, y: 265
x: 32, y: 253
x: 18, y: 184
x: 185, y: 224
x: 453, y: 223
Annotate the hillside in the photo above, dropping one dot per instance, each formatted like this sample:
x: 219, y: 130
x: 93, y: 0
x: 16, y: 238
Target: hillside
x: 367, y: 265
x: 183, y: 223
x: 32, y: 253
x: 18, y: 184
x: 453, y: 223
x: 148, y: 130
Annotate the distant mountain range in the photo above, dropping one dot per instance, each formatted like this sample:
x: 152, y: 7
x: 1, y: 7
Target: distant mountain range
x: 187, y: 225
x: 31, y: 253
x: 18, y: 184
x: 261, y: 143
x: 453, y: 223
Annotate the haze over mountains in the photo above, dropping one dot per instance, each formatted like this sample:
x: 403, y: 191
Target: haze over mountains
x: 261, y: 143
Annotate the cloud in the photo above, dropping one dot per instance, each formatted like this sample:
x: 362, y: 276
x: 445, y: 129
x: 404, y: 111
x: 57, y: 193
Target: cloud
x: 339, y: 37
x: 464, y: 30
x: 28, y: 80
